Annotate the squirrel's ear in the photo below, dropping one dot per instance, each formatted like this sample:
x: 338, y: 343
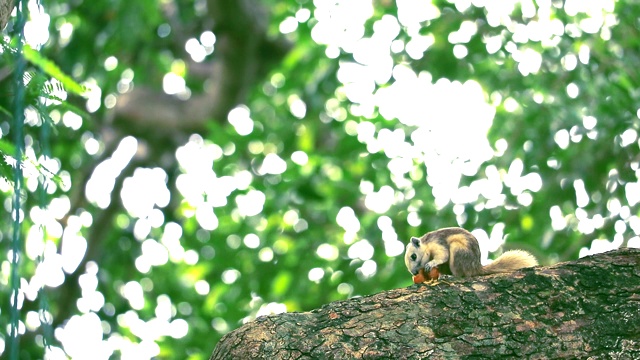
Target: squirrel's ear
x: 415, y: 241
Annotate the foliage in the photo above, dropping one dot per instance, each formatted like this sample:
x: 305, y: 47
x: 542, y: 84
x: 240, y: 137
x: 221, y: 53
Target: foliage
x: 518, y: 119
x: 40, y: 96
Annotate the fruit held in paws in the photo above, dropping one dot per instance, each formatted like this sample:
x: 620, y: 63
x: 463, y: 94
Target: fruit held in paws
x: 433, y: 274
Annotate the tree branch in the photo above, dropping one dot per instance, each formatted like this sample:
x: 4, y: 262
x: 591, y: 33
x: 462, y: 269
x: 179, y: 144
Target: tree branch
x: 6, y: 7
x: 96, y: 236
x: 585, y: 308
x: 243, y: 54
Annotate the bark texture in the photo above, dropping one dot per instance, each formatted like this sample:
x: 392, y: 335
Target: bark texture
x: 589, y: 308
x: 6, y: 7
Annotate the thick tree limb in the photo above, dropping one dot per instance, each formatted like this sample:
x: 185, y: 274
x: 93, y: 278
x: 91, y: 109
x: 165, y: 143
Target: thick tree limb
x: 145, y: 109
x: 585, y: 308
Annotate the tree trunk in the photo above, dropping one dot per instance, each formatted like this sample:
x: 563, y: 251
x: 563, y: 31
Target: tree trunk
x: 585, y: 308
x: 6, y: 7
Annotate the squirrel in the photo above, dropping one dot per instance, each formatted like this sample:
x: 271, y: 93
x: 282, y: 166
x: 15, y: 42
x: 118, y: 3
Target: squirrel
x: 459, y: 249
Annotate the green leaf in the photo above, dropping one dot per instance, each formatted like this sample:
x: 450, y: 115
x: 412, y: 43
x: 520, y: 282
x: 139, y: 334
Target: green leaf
x: 7, y: 147
x: 6, y: 170
x: 51, y: 69
x: 5, y: 111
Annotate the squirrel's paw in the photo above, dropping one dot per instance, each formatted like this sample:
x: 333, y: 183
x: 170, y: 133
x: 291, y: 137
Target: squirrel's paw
x: 428, y: 266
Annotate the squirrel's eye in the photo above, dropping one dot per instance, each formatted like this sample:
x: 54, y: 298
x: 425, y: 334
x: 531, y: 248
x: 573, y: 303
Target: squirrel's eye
x: 414, y: 257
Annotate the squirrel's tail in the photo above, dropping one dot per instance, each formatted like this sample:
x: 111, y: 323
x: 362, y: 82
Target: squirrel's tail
x: 510, y: 261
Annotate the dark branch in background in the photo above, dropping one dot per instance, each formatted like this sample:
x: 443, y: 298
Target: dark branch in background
x: 77, y: 196
x: 179, y: 32
x: 6, y: 7
x: 243, y: 54
x: 103, y: 223
x: 70, y: 291
x: 585, y: 308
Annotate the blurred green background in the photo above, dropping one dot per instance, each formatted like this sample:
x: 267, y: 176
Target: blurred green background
x: 242, y: 158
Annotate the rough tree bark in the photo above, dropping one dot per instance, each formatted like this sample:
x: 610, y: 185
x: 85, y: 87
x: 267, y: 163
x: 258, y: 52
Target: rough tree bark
x: 6, y: 7
x: 579, y: 309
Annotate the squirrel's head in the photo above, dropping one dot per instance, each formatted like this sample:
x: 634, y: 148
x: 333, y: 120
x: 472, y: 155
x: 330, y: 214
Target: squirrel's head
x: 415, y: 256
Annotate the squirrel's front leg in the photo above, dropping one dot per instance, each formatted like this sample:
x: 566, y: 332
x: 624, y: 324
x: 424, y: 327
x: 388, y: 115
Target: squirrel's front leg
x: 440, y: 256
x: 431, y: 264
